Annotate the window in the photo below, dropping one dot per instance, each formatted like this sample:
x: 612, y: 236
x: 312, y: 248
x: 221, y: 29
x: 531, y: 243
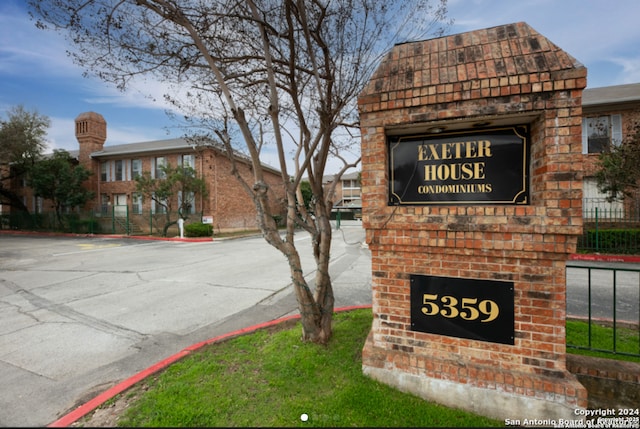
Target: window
x: 188, y: 202
x: 350, y: 190
x: 350, y: 183
x: 136, y: 203
x: 120, y: 205
x: 104, y: 203
x: 160, y: 161
x: 119, y: 170
x: 136, y: 168
x: 189, y: 161
x: 595, y: 204
x: 104, y: 171
x: 600, y: 132
x: 158, y: 206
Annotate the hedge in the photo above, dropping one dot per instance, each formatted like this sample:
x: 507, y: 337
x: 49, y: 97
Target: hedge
x: 613, y: 240
x: 198, y: 230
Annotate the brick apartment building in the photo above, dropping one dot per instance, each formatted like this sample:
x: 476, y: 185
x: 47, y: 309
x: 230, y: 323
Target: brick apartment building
x: 347, y: 194
x: 608, y: 113
x: 114, y: 168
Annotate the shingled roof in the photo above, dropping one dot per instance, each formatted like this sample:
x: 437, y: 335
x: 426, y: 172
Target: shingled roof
x: 505, y: 51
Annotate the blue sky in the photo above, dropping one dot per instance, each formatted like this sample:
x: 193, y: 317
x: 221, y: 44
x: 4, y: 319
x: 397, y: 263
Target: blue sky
x: 35, y: 71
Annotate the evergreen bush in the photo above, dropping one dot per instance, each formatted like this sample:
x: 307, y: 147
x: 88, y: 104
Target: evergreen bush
x: 198, y: 230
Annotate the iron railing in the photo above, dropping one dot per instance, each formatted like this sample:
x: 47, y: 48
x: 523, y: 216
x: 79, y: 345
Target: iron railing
x: 612, y: 298
x: 610, y: 227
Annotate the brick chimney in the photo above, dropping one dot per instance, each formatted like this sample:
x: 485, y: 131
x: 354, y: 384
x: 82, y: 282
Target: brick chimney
x: 91, y: 132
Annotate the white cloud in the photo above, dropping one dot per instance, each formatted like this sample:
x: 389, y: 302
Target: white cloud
x: 630, y: 69
x: 26, y: 50
x: 141, y: 93
x: 61, y: 134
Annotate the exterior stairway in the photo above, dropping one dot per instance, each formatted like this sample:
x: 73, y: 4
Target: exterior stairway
x: 124, y: 226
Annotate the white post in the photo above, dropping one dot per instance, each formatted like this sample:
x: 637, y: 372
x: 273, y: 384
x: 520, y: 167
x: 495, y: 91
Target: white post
x: 181, y: 227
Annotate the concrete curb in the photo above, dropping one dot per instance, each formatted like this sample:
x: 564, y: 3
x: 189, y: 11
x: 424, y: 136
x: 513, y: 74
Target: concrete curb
x: 86, y: 408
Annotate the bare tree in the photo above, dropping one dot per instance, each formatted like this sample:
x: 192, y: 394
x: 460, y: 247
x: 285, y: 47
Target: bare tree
x: 273, y: 72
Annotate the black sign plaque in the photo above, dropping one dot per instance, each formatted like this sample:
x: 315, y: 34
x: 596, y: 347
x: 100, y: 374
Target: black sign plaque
x: 476, y: 309
x: 466, y: 167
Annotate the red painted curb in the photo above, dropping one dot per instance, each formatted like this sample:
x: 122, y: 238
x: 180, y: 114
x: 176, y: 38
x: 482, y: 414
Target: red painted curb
x: 604, y: 258
x: 187, y: 239
x: 86, y: 408
x: 133, y: 237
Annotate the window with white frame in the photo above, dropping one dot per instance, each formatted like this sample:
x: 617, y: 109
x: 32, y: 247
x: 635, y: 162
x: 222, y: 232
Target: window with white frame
x: 595, y: 204
x: 136, y: 168
x: 189, y: 200
x: 599, y: 133
x: 189, y: 161
x: 350, y: 189
x: 136, y: 203
x: 160, y: 161
x: 104, y: 171
x: 158, y: 206
x: 119, y: 170
x: 104, y: 203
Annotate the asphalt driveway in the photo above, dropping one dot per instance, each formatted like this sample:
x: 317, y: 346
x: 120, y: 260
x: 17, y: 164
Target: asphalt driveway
x: 78, y: 315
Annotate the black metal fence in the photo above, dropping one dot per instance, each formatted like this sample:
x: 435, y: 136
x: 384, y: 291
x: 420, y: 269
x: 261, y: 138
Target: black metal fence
x: 75, y: 222
x: 603, y: 309
x: 106, y: 220
x: 610, y: 227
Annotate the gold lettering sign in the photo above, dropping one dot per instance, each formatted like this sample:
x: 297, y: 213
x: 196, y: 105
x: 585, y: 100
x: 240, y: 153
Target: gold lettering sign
x: 478, y: 309
x: 488, y: 166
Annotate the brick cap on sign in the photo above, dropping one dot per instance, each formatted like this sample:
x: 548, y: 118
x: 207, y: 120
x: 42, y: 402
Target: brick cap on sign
x: 505, y: 51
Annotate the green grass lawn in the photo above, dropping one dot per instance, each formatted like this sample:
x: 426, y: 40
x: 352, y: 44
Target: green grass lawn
x: 627, y: 340
x: 270, y: 378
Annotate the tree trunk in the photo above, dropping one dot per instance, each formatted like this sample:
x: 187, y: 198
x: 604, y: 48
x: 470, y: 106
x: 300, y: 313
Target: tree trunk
x: 58, y: 209
x: 316, y: 308
x: 323, y: 294
x: 167, y: 225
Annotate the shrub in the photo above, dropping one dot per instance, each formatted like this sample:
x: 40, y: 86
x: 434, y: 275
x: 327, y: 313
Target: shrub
x: 198, y: 230
x: 614, y: 240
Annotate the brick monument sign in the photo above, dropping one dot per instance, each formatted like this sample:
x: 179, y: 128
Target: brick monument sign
x: 472, y: 202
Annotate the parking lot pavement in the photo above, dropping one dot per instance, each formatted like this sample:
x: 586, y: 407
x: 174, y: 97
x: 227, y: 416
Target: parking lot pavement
x: 78, y: 315
x: 602, y: 276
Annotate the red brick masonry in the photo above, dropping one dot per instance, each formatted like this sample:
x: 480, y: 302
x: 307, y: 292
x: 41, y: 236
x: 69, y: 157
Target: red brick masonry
x: 510, y: 74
